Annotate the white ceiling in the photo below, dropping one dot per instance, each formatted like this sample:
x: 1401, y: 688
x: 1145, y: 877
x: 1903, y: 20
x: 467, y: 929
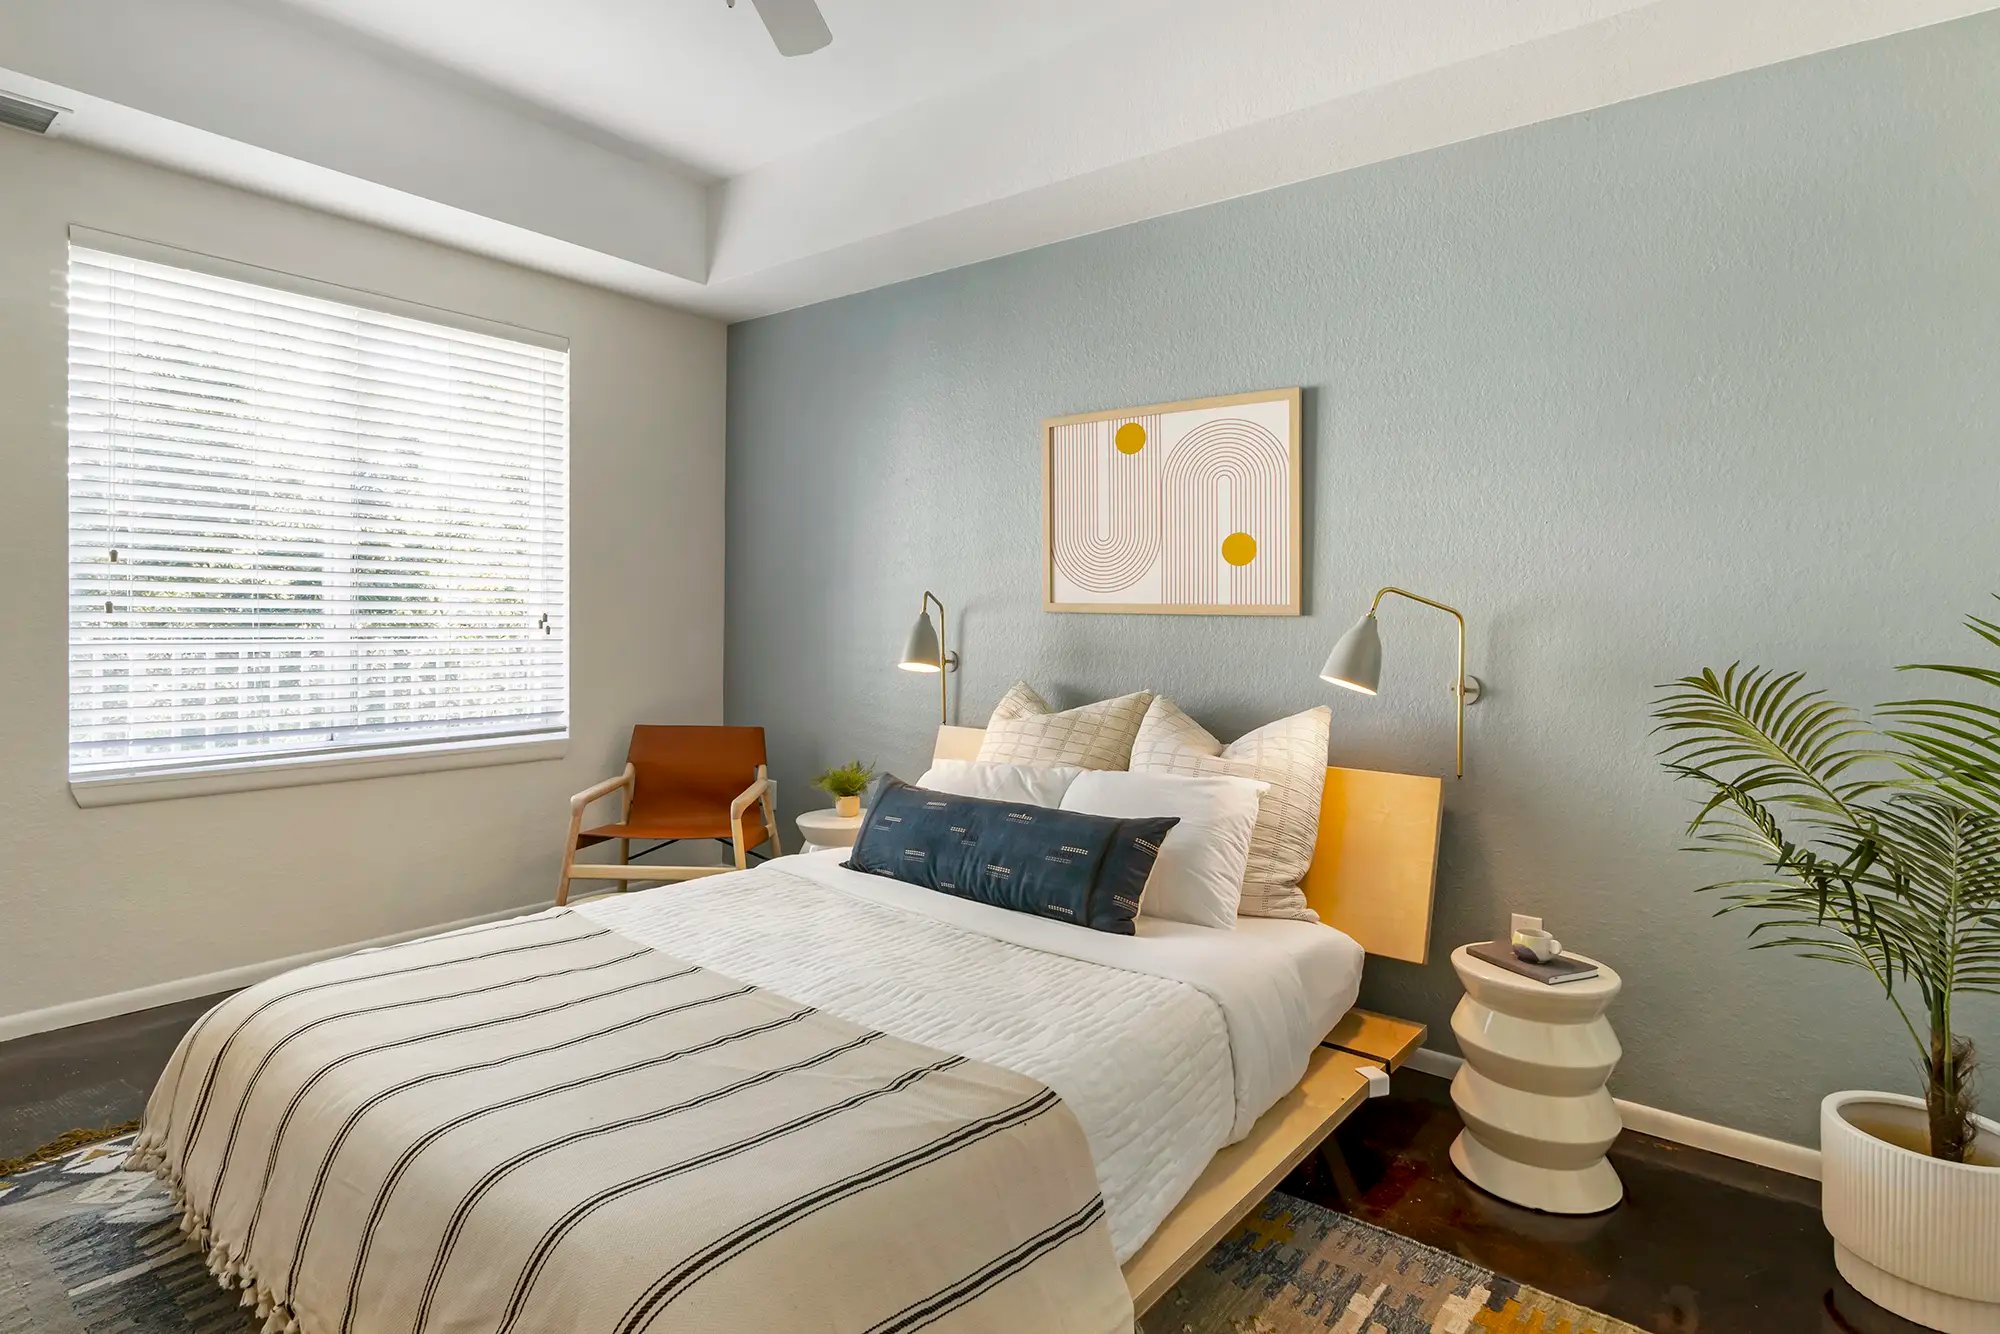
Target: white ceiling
x: 700, y: 83
x: 663, y: 148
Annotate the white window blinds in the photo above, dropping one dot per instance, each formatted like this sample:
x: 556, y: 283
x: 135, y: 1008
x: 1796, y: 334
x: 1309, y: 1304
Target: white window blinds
x: 304, y: 528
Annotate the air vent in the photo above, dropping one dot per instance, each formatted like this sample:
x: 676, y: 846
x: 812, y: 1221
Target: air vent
x: 23, y: 114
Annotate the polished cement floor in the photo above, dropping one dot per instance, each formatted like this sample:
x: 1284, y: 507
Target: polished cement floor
x: 84, y: 1077
x: 1701, y: 1245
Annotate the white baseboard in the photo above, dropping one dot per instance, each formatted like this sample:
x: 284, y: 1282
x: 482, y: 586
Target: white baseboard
x: 207, y: 984
x: 1776, y: 1154
x: 1442, y: 1064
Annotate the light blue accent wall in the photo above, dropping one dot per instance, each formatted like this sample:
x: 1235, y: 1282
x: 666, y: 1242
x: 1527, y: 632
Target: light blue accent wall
x: 1710, y: 375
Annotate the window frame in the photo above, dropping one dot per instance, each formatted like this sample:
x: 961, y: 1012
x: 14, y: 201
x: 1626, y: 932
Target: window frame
x: 338, y: 762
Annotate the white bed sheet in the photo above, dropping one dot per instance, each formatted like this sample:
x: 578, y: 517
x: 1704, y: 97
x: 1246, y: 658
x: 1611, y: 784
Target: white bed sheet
x: 1167, y: 1045
x: 1327, y: 964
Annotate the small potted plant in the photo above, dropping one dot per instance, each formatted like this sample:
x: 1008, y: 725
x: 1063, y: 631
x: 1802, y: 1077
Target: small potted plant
x: 1877, y: 847
x: 845, y: 783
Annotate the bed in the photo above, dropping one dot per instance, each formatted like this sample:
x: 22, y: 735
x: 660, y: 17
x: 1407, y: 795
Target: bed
x: 1373, y: 880
x: 416, y: 1139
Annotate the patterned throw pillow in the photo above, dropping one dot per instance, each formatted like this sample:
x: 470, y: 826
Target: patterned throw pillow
x: 1290, y: 755
x: 1020, y: 701
x: 1024, y: 730
x: 1090, y: 870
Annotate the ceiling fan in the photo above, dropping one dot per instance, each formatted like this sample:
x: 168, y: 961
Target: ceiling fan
x: 796, y: 26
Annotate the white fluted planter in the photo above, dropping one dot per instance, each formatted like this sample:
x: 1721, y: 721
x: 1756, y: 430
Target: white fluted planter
x: 1914, y: 1234
x: 1538, y: 1118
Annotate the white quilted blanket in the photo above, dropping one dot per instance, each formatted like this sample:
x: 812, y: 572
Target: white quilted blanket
x: 1166, y: 1045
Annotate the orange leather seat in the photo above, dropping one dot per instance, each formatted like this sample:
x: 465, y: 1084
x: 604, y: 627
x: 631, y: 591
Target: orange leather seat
x: 687, y: 823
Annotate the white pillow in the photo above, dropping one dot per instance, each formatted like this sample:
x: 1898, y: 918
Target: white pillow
x: 1027, y: 784
x: 1199, y: 875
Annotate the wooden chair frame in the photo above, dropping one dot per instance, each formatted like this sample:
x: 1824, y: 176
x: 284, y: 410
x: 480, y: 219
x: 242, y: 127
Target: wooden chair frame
x: 762, y: 792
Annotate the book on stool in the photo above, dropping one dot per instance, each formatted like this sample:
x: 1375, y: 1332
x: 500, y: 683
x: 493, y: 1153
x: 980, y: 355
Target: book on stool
x: 1555, y: 972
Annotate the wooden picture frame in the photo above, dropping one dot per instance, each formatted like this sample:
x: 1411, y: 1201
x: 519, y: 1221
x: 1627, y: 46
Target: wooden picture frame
x: 1231, y: 441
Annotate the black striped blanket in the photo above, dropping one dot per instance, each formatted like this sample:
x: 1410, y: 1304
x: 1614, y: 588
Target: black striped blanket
x: 543, y: 1125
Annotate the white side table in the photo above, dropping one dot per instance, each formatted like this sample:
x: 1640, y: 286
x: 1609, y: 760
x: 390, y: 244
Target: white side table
x: 1531, y: 1092
x: 823, y: 829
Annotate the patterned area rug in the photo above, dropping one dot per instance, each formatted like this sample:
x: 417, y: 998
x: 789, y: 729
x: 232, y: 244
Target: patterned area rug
x: 1294, y: 1267
x: 88, y: 1249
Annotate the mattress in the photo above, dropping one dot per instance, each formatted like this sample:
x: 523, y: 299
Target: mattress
x: 1167, y: 1045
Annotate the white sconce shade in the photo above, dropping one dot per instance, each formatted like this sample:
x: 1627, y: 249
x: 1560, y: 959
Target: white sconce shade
x: 1356, y: 661
x: 922, y: 653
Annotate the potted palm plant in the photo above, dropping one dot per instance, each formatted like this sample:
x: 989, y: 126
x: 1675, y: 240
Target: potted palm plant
x: 845, y: 783
x: 1876, y: 845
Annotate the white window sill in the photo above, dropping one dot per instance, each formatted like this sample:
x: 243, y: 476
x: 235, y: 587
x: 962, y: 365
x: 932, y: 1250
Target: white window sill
x: 250, y: 776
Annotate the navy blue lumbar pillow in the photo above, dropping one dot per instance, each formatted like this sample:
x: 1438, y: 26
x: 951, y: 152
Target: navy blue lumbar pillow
x: 1086, y: 869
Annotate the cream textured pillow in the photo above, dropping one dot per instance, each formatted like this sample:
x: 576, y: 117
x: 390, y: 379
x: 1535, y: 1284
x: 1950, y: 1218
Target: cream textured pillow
x: 1020, y: 701
x: 1290, y: 755
x: 1023, y: 730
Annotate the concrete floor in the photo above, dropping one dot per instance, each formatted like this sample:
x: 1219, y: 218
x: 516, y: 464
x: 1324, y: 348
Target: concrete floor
x: 1701, y: 1244
x: 96, y: 1074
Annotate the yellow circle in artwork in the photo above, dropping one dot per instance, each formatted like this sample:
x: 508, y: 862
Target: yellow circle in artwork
x: 1239, y: 548
x: 1131, y: 438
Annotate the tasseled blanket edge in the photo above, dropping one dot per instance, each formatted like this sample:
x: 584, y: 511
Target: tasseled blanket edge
x: 231, y: 1267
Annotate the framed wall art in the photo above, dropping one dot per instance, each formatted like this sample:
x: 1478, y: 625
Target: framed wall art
x: 1187, y: 508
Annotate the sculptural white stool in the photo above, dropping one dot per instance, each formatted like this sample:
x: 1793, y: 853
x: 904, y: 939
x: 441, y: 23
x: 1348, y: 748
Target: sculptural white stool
x: 1538, y: 1118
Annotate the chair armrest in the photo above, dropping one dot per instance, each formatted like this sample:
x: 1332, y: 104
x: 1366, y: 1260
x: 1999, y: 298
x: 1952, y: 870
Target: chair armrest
x: 603, y: 789
x: 748, y: 795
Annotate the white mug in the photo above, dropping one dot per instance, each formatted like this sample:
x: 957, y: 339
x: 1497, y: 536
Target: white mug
x: 1537, y: 945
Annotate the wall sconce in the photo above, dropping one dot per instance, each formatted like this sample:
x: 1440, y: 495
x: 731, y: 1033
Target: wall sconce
x: 1356, y: 660
x: 925, y: 651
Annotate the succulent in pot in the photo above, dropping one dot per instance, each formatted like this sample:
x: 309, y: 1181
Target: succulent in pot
x: 1874, y: 844
x: 845, y: 783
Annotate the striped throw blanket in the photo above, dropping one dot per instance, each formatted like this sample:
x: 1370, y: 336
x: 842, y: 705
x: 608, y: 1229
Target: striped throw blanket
x: 543, y: 1125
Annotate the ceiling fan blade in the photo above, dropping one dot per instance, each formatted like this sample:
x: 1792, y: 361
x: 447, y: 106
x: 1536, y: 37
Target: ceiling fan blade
x: 795, y: 25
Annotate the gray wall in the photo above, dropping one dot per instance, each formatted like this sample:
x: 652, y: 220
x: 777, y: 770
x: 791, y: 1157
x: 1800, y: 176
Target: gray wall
x: 1704, y: 376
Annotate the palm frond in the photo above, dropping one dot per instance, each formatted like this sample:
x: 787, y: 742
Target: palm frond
x: 1954, y: 743
x: 1769, y: 736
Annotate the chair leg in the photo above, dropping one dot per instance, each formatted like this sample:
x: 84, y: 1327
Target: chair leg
x: 770, y: 801
x: 569, y: 857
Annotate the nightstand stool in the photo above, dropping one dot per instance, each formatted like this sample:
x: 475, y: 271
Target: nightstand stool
x: 1531, y: 1092
x: 823, y: 829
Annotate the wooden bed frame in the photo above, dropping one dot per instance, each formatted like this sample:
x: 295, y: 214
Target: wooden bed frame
x: 1373, y: 874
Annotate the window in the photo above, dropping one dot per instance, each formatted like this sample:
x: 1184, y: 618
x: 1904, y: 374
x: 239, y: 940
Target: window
x: 304, y: 532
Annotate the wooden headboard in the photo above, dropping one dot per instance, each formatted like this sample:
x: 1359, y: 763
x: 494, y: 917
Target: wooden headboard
x: 1374, y: 867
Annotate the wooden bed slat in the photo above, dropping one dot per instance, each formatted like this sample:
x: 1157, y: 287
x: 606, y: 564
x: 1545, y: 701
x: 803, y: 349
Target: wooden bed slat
x: 1239, y: 1177
x: 1379, y: 1037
